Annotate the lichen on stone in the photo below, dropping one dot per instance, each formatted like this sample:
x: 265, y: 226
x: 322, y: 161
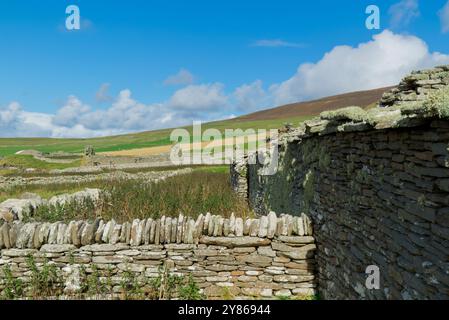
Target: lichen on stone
x: 436, y: 105
x: 352, y: 113
x: 381, y: 118
x: 308, y: 185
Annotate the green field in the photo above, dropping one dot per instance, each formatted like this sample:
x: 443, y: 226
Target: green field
x: 9, y: 146
x: 28, y: 161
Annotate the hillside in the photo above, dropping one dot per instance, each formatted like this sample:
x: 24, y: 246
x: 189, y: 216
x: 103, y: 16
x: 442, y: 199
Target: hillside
x: 265, y: 119
x: 315, y: 107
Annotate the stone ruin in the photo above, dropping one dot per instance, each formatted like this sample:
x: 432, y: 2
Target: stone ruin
x: 89, y: 151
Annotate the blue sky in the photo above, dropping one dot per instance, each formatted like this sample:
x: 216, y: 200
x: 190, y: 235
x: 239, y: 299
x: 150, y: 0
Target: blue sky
x: 141, y: 65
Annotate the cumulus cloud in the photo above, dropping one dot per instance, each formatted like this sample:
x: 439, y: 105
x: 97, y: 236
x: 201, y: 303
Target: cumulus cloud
x: 124, y: 115
x: 16, y: 122
x: 250, y: 97
x: 197, y: 99
x: 183, y: 77
x: 13, y: 119
x: 9, y: 114
x: 403, y: 12
x: 444, y: 18
x: 380, y: 62
x: 70, y: 114
x: 75, y: 119
x: 274, y: 43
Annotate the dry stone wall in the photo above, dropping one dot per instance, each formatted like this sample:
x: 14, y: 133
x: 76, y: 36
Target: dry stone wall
x: 376, y: 186
x: 239, y: 174
x: 417, y: 86
x: 261, y: 258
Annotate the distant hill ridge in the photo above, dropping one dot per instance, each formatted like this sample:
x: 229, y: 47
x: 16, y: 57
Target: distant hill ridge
x: 315, y: 107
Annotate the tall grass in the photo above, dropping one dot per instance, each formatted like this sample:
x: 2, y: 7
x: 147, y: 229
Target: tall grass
x: 124, y: 200
x: 56, y: 188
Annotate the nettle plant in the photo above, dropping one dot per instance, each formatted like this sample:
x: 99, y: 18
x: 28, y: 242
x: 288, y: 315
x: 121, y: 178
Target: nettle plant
x: 13, y: 288
x: 46, y: 281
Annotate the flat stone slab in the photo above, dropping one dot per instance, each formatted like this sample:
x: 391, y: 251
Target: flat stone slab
x: 57, y: 248
x: 297, y: 239
x: 18, y: 252
x: 235, y: 242
x: 106, y: 247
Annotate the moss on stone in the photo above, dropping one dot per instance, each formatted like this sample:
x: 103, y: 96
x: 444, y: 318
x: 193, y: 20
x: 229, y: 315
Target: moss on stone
x: 308, y: 185
x: 362, y: 176
x: 380, y: 173
x: 421, y: 200
x: 324, y: 159
x: 309, y: 152
x: 350, y: 168
x: 352, y: 113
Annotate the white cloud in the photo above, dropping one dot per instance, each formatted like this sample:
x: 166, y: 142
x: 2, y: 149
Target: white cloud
x: 403, y: 12
x: 70, y: 113
x: 250, y: 97
x: 202, y: 98
x: 274, y: 43
x: 183, y: 77
x: 444, y: 18
x: 15, y: 121
x: 380, y: 62
x: 10, y: 113
x: 75, y: 119
x: 125, y: 114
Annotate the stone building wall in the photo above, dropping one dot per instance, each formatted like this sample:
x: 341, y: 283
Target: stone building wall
x: 376, y: 186
x: 262, y: 258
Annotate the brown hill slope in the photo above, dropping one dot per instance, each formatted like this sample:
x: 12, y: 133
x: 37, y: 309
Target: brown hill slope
x: 315, y: 107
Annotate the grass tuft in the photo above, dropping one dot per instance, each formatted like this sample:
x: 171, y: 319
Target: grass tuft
x: 124, y: 200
